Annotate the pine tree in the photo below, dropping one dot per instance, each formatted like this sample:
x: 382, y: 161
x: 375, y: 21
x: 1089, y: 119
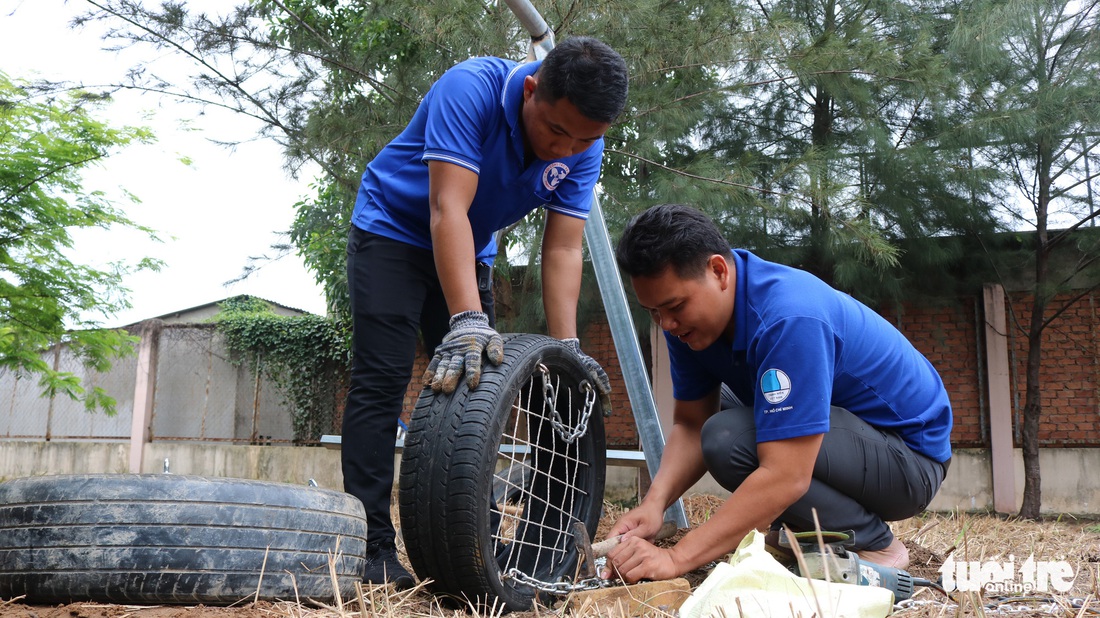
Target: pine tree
x: 1032, y: 70
x: 843, y: 108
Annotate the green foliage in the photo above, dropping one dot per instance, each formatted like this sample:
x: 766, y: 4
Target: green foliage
x: 45, y: 296
x: 305, y: 356
x: 810, y: 129
x: 320, y: 234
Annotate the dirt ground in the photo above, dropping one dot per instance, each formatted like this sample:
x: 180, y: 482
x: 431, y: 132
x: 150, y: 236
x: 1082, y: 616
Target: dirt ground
x: 931, y: 538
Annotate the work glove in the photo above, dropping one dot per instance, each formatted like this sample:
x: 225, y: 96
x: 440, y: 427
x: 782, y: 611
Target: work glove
x: 469, y: 337
x: 596, y: 374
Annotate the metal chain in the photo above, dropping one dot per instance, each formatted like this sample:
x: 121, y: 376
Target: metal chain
x: 561, y: 588
x: 568, y: 434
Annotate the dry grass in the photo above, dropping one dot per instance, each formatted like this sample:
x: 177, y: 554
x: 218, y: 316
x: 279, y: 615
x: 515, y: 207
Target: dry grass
x: 931, y: 539
x: 984, y: 538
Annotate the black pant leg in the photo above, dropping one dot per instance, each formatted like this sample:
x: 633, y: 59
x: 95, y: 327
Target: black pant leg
x: 863, y: 476
x: 388, y: 282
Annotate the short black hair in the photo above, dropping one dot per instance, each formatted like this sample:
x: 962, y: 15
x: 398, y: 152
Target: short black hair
x: 673, y: 235
x: 588, y: 73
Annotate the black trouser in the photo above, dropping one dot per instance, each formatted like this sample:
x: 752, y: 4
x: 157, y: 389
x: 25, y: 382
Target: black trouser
x: 395, y: 293
x: 863, y: 476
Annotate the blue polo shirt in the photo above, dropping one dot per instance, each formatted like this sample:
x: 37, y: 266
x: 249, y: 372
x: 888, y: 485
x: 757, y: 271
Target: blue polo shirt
x: 801, y: 346
x: 471, y: 117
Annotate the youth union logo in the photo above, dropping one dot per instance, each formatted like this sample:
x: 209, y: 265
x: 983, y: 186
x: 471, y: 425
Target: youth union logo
x: 554, y: 174
x: 775, y: 385
x: 1004, y: 577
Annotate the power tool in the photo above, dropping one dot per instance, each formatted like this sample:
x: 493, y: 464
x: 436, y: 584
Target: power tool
x: 828, y: 558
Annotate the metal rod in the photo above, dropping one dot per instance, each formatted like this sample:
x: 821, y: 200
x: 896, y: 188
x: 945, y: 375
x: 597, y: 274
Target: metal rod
x: 635, y: 376
x: 542, y: 37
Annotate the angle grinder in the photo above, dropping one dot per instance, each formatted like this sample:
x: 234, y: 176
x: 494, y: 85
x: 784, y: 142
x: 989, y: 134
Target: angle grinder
x: 828, y: 558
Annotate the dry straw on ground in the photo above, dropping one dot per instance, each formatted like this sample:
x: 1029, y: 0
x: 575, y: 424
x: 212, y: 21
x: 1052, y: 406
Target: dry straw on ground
x: 931, y: 539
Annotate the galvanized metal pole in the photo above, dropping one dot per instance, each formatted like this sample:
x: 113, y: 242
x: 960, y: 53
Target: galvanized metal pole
x: 638, y: 387
x: 542, y: 37
x: 635, y: 376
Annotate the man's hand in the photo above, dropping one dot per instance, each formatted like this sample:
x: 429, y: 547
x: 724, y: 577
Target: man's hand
x: 642, y: 523
x: 635, y: 559
x: 596, y: 374
x: 469, y: 337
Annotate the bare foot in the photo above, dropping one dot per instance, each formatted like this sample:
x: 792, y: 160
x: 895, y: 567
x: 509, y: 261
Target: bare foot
x: 896, y: 555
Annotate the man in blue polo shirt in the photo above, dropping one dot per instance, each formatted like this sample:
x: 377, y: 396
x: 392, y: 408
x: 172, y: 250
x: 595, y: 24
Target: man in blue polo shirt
x: 490, y: 142
x: 840, y: 414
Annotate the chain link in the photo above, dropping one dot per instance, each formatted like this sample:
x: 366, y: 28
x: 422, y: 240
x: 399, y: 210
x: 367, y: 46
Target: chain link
x: 568, y: 434
x: 561, y: 588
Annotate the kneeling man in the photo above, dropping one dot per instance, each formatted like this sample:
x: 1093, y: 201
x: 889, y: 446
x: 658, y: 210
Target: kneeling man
x: 839, y: 414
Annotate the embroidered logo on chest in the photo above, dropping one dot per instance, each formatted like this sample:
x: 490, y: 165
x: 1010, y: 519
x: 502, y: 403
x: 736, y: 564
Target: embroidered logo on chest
x: 554, y: 174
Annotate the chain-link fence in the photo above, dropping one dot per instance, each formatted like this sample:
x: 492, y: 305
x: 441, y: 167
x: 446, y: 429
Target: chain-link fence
x: 200, y: 394
x: 25, y: 414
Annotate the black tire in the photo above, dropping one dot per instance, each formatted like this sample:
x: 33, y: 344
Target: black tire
x: 165, y: 538
x: 453, y: 473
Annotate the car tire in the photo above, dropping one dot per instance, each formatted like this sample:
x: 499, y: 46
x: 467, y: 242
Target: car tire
x: 174, y: 539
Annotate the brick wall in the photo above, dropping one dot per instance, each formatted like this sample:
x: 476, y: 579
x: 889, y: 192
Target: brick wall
x: 619, y: 428
x: 412, y: 393
x: 1070, y: 371
x: 951, y: 336
x: 947, y: 335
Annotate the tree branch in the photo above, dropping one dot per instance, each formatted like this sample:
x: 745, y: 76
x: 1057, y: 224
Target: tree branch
x: 697, y: 177
x: 47, y: 174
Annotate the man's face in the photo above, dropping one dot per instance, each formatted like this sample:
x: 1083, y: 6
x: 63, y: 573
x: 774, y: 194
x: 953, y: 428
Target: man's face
x: 696, y: 310
x: 556, y: 130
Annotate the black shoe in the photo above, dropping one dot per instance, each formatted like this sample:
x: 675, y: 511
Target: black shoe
x: 383, y: 567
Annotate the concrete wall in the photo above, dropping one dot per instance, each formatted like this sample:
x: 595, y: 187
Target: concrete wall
x: 285, y: 464
x: 1070, y: 482
x: 1068, y: 486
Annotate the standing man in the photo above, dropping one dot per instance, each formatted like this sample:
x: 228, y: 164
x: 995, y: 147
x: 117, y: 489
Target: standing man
x: 842, y: 414
x: 491, y: 141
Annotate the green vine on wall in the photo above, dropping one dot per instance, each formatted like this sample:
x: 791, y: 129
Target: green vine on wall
x: 306, y: 357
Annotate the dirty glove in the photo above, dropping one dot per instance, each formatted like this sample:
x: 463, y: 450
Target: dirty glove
x: 596, y: 374
x: 470, y: 335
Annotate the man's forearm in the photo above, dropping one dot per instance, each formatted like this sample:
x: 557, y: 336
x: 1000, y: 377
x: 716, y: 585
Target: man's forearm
x: 756, y: 503
x: 561, y: 287
x: 783, y: 476
x: 450, y: 193
x: 453, y: 248
x: 681, y: 466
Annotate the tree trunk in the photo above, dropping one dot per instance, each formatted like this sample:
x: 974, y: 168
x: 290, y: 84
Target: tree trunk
x: 1033, y: 410
x: 1033, y: 402
x: 821, y: 262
